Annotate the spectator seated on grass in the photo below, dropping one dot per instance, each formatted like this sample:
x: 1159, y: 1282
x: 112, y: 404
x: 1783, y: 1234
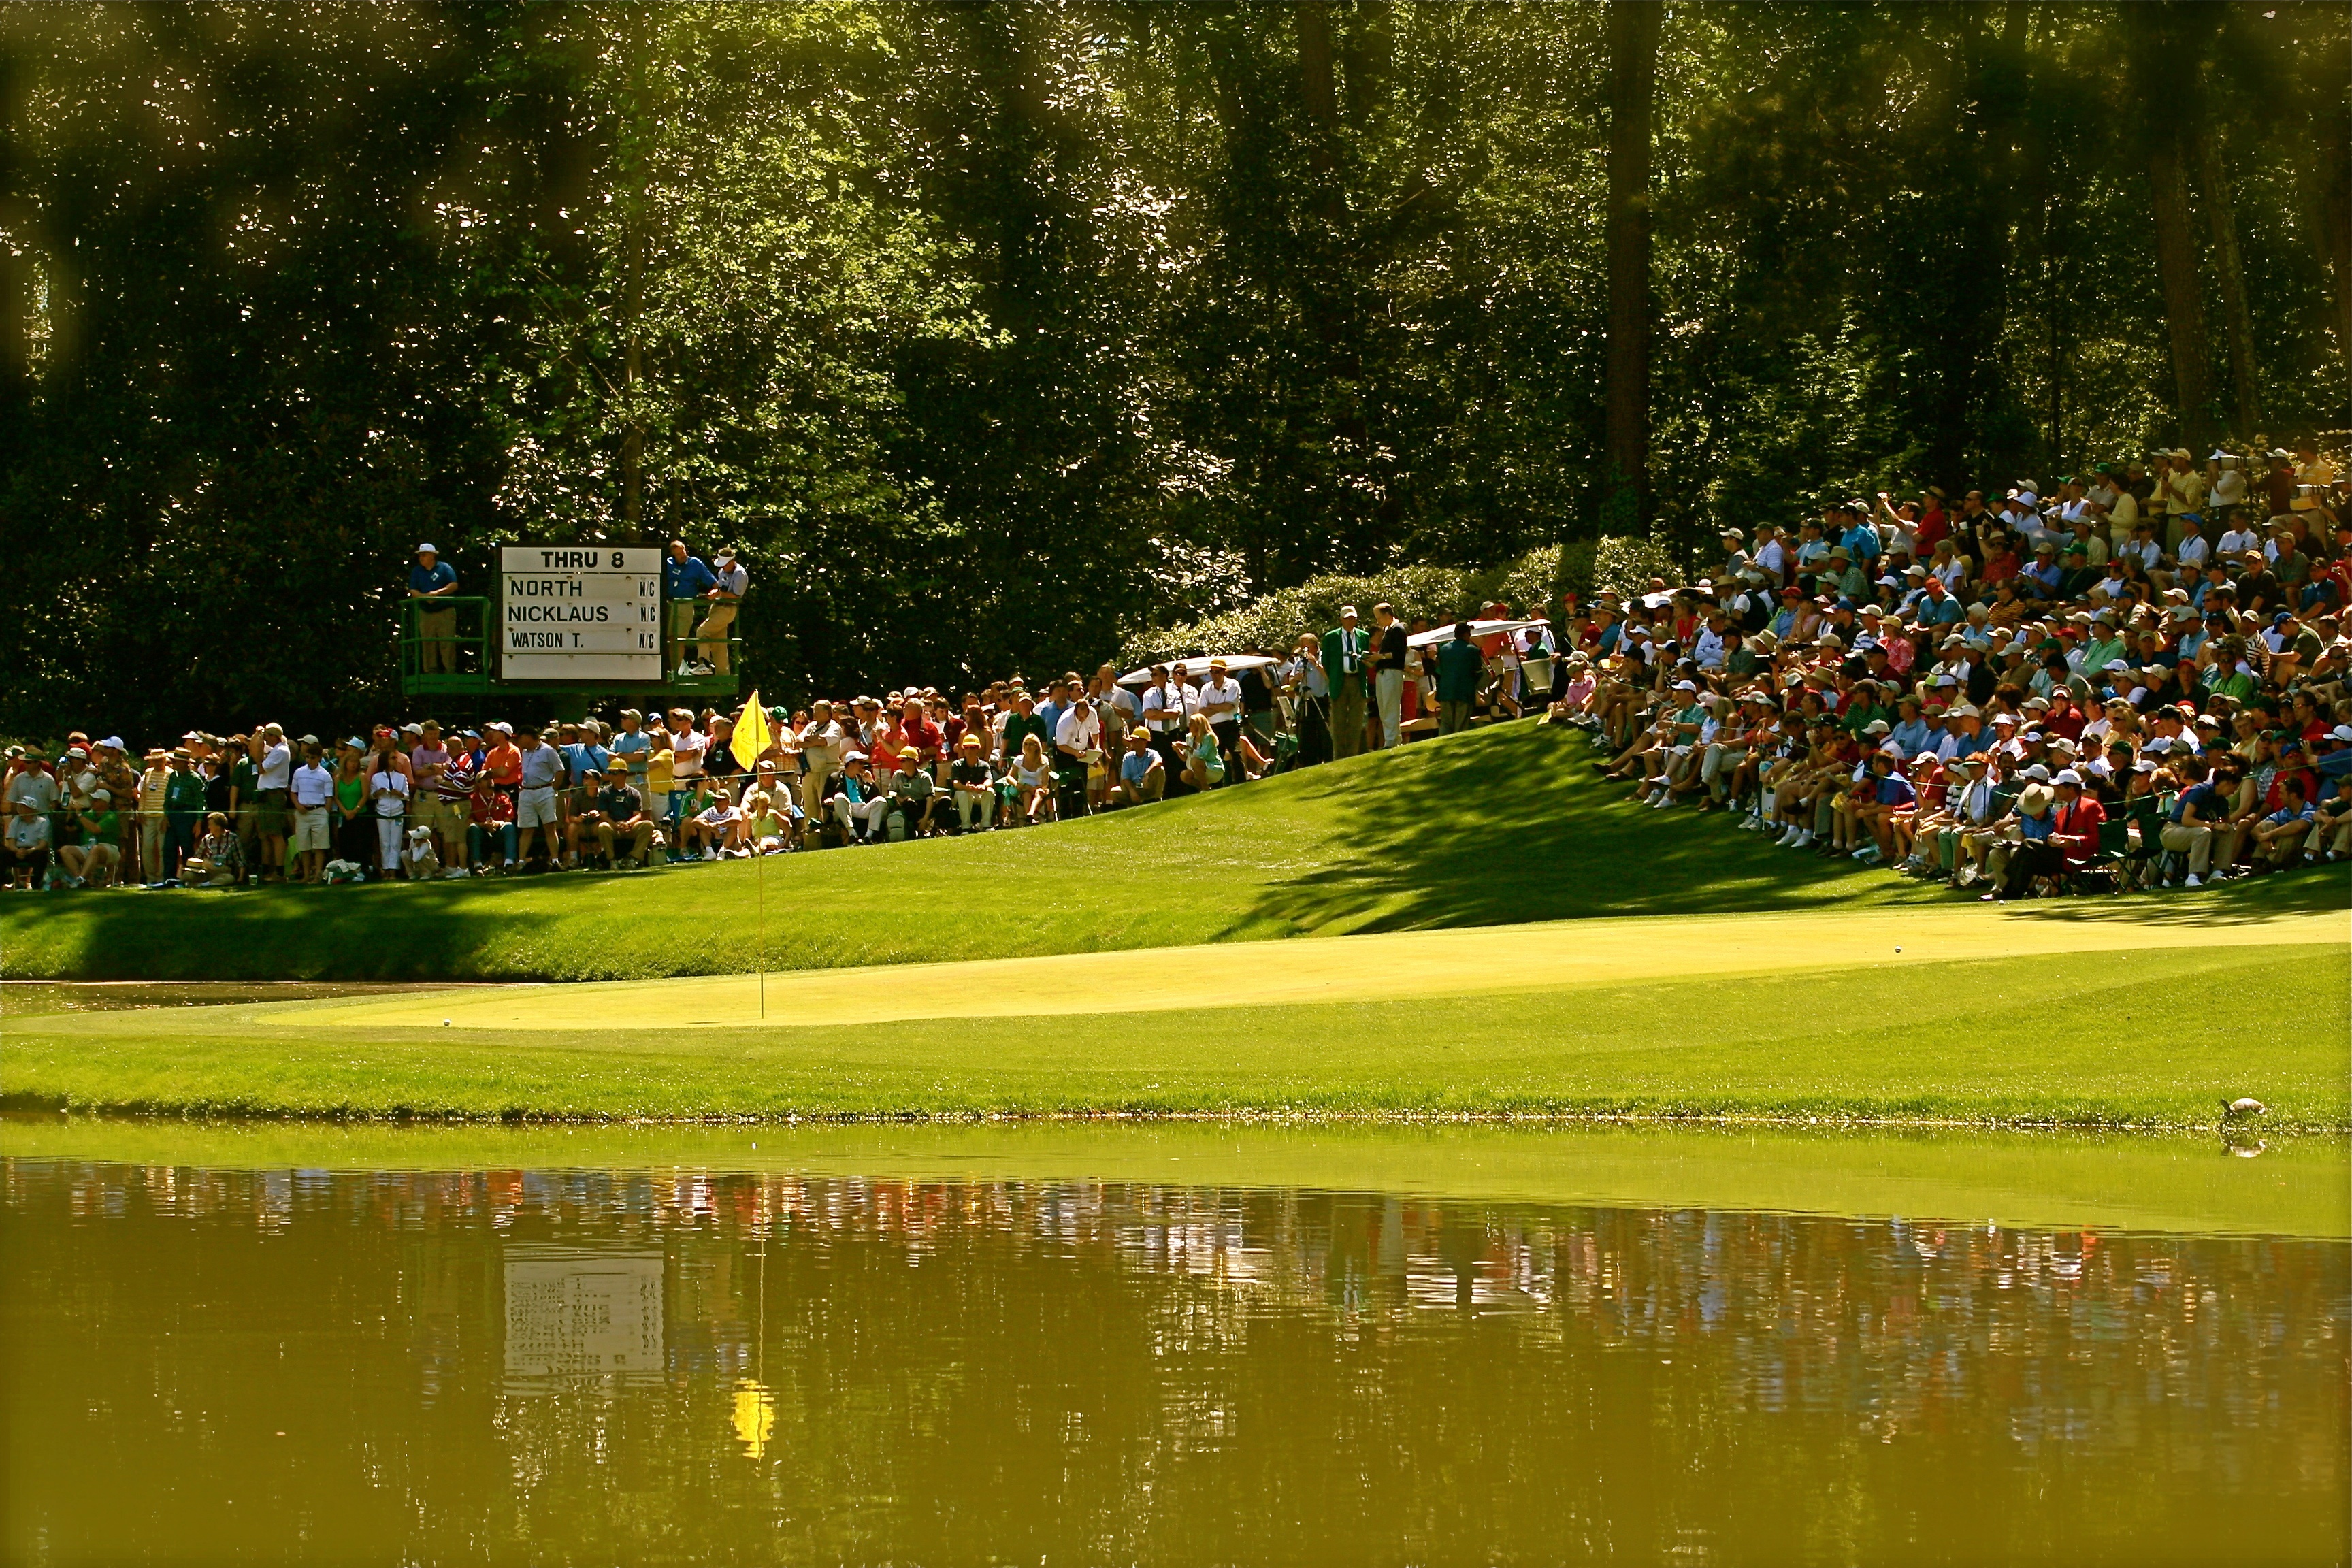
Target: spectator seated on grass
x: 2158, y: 713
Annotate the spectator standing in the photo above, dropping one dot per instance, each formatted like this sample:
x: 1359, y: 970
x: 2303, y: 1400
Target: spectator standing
x: 820, y: 741
x: 153, y: 782
x: 685, y: 580
x: 536, y: 810
x: 388, y: 792
x: 430, y: 579
x: 1220, y: 704
x: 1460, y: 667
x: 1077, y: 740
x: 313, y: 794
x: 729, y: 583
x: 273, y: 779
x: 1310, y: 694
x: 1345, y: 657
x: 1388, y: 660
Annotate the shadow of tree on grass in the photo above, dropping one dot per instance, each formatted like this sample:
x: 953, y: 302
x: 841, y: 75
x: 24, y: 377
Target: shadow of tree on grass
x: 1512, y: 825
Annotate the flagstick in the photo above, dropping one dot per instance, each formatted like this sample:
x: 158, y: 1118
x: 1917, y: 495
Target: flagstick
x: 763, y: 960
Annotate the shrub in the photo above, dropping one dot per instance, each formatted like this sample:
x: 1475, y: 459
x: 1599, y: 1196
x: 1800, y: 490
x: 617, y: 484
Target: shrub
x: 1436, y: 592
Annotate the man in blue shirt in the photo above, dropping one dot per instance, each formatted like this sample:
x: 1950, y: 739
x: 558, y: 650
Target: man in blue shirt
x: 685, y: 579
x: 437, y: 628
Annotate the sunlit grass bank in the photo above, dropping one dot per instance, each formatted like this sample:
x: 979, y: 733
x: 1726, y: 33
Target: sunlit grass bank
x: 2155, y: 1038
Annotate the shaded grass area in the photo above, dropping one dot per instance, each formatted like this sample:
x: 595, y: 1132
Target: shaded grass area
x: 1480, y: 828
x: 2297, y: 1186
x: 2155, y: 1038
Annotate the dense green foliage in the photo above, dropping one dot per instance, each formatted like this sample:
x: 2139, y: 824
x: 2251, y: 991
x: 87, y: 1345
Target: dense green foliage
x: 1000, y: 334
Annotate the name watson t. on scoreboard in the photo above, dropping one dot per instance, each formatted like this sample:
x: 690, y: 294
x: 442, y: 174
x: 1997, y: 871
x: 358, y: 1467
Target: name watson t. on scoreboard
x: 578, y: 614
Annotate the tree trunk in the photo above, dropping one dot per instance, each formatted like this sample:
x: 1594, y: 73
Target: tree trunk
x: 2238, y: 324
x: 2176, y: 267
x: 1315, y: 64
x: 2153, y: 42
x: 633, y: 433
x: 2332, y: 141
x: 1633, y: 83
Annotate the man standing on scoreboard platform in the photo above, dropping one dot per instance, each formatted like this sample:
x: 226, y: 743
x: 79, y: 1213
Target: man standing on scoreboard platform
x: 728, y: 582
x: 437, y: 629
x: 685, y: 579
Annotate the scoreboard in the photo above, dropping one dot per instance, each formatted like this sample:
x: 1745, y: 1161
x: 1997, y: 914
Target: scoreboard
x: 580, y: 613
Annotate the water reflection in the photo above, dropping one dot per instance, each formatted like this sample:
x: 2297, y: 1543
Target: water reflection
x: 674, y: 1366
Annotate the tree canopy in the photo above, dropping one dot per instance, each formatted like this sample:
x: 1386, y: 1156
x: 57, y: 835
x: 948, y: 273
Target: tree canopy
x: 997, y: 334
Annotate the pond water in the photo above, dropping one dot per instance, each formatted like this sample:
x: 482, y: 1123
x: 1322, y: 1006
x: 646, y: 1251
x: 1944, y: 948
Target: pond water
x: 827, y: 1354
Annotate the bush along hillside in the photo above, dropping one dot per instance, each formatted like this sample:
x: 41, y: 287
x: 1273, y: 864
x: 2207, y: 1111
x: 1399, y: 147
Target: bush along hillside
x: 1435, y: 592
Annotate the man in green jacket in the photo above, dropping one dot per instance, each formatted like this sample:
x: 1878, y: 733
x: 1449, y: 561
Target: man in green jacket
x: 1347, y: 652
x: 1460, y: 667
x: 183, y: 811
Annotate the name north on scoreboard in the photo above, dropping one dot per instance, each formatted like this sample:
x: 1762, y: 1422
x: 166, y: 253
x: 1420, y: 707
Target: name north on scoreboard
x: 580, y: 612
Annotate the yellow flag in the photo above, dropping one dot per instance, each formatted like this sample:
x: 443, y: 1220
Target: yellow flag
x: 752, y: 736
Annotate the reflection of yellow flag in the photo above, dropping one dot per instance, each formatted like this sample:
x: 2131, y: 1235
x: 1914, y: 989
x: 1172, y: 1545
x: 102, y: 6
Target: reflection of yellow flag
x: 755, y: 1416
x: 752, y: 735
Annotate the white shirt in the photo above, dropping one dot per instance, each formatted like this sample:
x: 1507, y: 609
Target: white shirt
x: 686, y: 749
x: 1772, y: 559
x: 277, y: 764
x: 2230, y: 487
x: 1165, y: 708
x: 2238, y: 541
x: 388, y: 790
x: 1078, y: 730
x: 819, y: 743
x: 2193, y: 551
x: 1226, y: 692
x: 313, y: 785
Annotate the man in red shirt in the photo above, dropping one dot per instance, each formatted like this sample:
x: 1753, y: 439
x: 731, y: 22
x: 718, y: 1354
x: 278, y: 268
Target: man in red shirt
x: 2075, y: 819
x: 916, y: 730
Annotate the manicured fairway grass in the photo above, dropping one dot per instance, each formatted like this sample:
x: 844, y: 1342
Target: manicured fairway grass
x: 1483, y: 828
x: 2158, y: 1036
x: 2042, y: 1180
x: 1462, y: 962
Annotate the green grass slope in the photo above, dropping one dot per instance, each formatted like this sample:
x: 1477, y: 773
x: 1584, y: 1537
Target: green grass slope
x: 1480, y: 828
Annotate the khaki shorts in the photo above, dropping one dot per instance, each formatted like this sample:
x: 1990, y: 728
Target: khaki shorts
x: 269, y: 815
x: 537, y: 808
x: 310, y: 830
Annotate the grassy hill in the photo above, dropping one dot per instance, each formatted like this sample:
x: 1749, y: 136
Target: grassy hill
x: 1489, y: 827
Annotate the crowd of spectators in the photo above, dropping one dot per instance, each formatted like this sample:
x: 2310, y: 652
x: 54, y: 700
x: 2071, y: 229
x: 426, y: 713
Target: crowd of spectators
x: 2137, y: 679
x: 649, y: 789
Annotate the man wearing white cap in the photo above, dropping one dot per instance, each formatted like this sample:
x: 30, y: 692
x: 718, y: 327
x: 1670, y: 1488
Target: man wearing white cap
x: 730, y: 582
x: 437, y: 628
